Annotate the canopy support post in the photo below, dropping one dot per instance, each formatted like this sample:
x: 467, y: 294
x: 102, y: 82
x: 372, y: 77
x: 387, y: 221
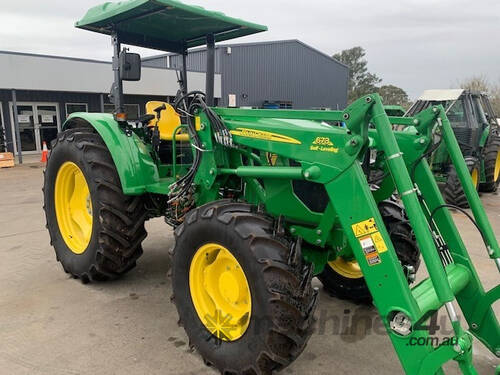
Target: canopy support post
x: 116, y: 94
x: 184, y: 71
x: 16, y: 127
x: 210, y: 77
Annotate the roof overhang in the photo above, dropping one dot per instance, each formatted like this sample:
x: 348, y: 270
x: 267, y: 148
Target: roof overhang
x: 441, y: 95
x: 166, y: 25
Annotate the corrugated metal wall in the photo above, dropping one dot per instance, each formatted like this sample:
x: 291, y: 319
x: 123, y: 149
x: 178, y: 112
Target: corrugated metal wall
x: 93, y: 102
x: 286, y: 71
x: 196, y: 61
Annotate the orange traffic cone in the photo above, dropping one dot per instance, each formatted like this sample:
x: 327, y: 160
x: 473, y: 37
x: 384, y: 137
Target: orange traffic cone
x: 45, y: 153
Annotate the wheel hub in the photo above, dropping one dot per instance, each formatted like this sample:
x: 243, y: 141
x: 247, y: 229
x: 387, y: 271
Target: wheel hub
x: 475, y: 177
x: 73, y: 206
x: 220, y: 292
x: 497, y: 168
x: 347, y: 268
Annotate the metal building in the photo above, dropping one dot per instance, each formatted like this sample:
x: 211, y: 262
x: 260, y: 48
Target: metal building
x: 284, y: 74
x: 37, y: 92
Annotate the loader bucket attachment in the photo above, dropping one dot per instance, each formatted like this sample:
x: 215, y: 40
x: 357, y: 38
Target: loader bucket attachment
x: 452, y: 276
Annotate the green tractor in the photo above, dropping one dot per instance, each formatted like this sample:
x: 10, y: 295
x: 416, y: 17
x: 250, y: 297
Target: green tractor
x: 261, y: 201
x: 477, y: 133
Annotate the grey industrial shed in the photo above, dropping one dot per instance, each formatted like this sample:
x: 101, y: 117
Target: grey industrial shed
x: 289, y: 73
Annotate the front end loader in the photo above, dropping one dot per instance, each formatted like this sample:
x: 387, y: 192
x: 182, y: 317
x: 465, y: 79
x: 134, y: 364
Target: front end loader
x: 261, y: 201
x: 476, y: 129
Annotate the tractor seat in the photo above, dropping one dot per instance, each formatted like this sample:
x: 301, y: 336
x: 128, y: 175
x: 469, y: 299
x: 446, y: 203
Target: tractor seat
x: 169, y: 121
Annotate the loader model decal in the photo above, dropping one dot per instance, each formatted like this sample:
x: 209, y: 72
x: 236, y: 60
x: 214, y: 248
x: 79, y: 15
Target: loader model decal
x: 267, y: 136
x: 323, y: 144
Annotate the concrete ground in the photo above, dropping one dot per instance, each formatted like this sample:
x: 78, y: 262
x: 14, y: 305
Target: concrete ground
x: 52, y: 324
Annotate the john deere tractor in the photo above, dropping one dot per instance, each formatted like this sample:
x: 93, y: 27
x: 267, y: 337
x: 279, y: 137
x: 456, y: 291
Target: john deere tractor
x: 477, y: 133
x: 261, y: 201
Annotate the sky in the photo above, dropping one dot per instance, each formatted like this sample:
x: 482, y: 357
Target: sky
x: 413, y: 44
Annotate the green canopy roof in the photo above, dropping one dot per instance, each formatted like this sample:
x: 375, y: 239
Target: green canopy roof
x: 167, y: 25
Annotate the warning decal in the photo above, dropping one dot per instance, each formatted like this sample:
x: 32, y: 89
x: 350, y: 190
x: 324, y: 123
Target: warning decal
x: 373, y: 260
x: 379, y: 242
x: 370, y: 240
x: 368, y: 245
x: 372, y: 246
x: 364, y: 227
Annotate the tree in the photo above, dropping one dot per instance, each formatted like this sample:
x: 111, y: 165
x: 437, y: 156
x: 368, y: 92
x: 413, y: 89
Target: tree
x: 476, y: 83
x: 494, y: 94
x: 393, y: 95
x: 480, y: 83
x: 361, y: 81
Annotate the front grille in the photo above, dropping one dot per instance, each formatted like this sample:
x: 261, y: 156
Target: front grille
x: 468, y: 139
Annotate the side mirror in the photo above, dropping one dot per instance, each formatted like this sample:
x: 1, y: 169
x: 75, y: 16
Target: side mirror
x: 130, y: 66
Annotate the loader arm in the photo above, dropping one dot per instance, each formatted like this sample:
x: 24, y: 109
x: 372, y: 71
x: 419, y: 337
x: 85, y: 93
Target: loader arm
x: 308, y: 149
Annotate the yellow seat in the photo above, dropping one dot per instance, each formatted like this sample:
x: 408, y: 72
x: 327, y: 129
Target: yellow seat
x: 169, y: 121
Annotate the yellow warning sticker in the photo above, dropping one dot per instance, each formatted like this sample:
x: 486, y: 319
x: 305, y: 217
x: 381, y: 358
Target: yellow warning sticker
x: 371, y: 254
x: 379, y: 242
x: 365, y: 227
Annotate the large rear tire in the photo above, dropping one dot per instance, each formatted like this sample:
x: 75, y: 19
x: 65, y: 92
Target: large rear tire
x: 453, y: 192
x: 229, y: 265
x: 95, y: 229
x: 491, y: 157
x: 344, y: 279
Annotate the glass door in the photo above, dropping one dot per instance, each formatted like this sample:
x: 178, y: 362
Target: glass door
x: 27, y: 128
x: 3, y: 136
x: 47, y: 123
x: 38, y: 122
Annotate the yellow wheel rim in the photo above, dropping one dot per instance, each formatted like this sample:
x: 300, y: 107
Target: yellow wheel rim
x: 497, y: 168
x: 475, y: 177
x: 346, y: 268
x: 73, y: 207
x: 220, y: 292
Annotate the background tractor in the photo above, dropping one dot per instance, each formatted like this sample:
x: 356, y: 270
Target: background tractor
x: 261, y: 201
x: 476, y: 129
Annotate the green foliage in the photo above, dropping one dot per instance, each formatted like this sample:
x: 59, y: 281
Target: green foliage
x: 361, y: 81
x: 393, y: 95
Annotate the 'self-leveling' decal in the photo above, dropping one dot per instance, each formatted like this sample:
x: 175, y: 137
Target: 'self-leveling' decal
x: 323, y: 144
x: 371, y: 240
x: 261, y: 134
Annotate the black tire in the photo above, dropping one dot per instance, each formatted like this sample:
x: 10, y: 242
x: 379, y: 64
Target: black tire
x: 376, y: 177
x: 118, y: 220
x: 283, y: 300
x: 406, y: 247
x: 490, y: 157
x: 453, y: 192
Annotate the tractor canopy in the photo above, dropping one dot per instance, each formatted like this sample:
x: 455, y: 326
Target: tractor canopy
x: 167, y: 25
x: 441, y: 95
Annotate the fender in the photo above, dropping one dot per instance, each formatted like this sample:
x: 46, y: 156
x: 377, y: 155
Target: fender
x: 137, y: 171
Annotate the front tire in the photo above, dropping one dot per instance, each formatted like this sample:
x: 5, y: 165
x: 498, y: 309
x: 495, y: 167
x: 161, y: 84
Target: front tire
x: 453, y: 191
x: 344, y: 279
x: 213, y: 241
x: 491, y: 164
x: 95, y: 229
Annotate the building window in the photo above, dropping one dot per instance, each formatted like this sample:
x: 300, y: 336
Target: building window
x: 132, y: 110
x: 76, y: 107
x: 286, y: 105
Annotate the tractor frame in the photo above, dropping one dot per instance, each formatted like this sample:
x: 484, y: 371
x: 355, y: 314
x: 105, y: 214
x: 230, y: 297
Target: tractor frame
x: 269, y: 150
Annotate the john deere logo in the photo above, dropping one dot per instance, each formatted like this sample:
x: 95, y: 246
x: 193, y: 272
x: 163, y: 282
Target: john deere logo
x: 267, y: 136
x: 220, y: 325
x: 323, y: 144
